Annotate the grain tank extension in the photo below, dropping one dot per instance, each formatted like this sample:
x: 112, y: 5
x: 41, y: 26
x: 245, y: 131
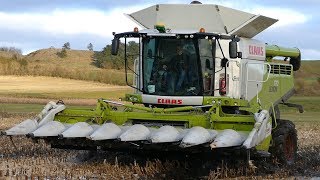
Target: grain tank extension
x: 201, y: 83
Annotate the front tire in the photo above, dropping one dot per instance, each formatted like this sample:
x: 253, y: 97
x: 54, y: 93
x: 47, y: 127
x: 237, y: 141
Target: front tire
x: 284, y: 142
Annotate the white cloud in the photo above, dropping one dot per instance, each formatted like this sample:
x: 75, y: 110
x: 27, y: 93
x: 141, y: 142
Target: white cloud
x: 310, y: 54
x: 286, y: 17
x: 70, y: 22
x: 10, y: 44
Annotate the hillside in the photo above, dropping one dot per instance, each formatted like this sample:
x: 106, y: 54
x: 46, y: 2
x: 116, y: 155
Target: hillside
x: 51, y: 54
x: 45, y: 62
x: 309, y: 70
x: 74, y: 58
x: 307, y: 79
x: 8, y: 55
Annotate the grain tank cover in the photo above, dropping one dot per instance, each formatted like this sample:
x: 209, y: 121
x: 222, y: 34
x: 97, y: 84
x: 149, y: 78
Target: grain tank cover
x: 214, y: 18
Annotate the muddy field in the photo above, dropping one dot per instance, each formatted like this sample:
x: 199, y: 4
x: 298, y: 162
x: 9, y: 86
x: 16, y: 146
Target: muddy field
x: 22, y: 158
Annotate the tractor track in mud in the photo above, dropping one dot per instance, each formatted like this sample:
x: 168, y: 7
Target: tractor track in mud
x: 27, y: 159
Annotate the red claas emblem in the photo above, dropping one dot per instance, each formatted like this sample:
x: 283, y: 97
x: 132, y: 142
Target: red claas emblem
x: 169, y: 101
x: 256, y: 50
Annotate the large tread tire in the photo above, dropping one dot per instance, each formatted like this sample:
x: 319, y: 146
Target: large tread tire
x: 284, y: 142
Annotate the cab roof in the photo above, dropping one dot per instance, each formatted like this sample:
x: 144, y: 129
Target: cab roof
x: 192, y: 17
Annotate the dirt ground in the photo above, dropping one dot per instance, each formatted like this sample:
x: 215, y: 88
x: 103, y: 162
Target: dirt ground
x: 22, y: 158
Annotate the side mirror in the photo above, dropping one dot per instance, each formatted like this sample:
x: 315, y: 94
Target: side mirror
x: 115, y: 46
x: 233, y: 50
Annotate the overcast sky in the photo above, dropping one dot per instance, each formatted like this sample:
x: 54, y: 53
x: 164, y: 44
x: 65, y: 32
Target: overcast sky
x: 37, y: 24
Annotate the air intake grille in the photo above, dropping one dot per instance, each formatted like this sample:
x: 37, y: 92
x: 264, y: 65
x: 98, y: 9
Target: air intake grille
x: 280, y: 69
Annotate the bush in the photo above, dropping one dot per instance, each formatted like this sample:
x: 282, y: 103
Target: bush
x: 66, y: 45
x: 62, y: 53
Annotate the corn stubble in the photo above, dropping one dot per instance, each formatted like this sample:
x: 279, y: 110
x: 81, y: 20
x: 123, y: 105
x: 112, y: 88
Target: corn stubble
x: 25, y: 159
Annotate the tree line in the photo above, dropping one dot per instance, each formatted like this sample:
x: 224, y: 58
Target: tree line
x: 104, y: 59
x: 11, y: 49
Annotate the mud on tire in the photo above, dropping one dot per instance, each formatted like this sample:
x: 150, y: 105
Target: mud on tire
x: 284, y: 142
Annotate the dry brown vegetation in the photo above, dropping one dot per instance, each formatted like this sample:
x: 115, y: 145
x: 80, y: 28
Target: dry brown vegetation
x: 27, y: 159
x: 307, y: 79
x: 51, y: 55
x: 45, y: 62
x: 6, y: 54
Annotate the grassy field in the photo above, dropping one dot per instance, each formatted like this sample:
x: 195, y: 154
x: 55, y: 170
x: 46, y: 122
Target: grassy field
x: 310, y: 105
x: 56, y: 88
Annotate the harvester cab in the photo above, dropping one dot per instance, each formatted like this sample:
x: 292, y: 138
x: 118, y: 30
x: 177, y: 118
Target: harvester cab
x: 200, y: 81
x: 180, y: 65
x: 217, y: 58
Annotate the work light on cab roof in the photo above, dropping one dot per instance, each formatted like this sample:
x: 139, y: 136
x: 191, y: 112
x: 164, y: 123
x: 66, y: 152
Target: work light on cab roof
x: 202, y: 30
x: 135, y: 29
x: 160, y: 27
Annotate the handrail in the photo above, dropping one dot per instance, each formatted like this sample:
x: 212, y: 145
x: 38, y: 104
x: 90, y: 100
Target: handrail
x: 247, y: 78
x: 269, y: 70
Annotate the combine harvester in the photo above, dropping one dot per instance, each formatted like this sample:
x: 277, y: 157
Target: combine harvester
x: 201, y: 83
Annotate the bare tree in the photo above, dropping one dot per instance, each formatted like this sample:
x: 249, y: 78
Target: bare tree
x: 90, y: 47
x: 66, y: 45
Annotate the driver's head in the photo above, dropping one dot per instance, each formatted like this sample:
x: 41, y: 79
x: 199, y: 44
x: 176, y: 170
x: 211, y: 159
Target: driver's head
x: 179, y: 50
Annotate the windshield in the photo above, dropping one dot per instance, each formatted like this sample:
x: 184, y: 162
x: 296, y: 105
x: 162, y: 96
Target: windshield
x: 175, y: 67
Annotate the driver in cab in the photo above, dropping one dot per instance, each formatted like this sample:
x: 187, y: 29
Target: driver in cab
x: 180, y: 66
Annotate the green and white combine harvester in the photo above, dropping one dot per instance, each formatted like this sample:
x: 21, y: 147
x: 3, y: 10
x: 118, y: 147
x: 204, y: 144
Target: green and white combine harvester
x: 201, y: 83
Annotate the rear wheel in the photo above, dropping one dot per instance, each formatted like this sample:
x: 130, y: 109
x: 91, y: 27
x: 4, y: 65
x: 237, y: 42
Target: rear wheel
x: 284, y: 142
